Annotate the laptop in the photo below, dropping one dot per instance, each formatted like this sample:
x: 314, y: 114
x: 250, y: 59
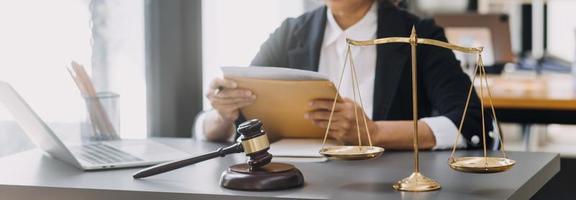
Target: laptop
x: 86, y: 156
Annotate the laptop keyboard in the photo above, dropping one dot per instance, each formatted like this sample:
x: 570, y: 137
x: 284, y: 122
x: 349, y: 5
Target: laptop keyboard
x: 103, y: 154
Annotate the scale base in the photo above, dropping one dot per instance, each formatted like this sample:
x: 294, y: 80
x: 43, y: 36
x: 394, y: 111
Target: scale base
x: 273, y: 176
x: 417, y: 182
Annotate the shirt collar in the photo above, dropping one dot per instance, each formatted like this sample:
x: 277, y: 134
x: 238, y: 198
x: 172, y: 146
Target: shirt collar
x: 364, y: 29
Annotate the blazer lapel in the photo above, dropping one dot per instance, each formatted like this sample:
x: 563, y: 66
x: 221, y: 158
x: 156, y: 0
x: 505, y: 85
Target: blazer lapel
x: 390, y: 61
x: 306, y: 55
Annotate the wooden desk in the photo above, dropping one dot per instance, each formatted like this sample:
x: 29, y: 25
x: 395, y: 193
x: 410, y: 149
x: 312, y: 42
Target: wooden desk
x: 32, y: 175
x: 525, y: 99
x: 552, y: 92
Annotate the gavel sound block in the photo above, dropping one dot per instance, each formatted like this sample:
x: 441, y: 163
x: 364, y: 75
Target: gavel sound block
x: 259, y: 173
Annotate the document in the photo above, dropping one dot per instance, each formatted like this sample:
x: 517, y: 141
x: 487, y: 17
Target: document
x: 272, y: 73
x: 299, y: 150
x: 283, y: 97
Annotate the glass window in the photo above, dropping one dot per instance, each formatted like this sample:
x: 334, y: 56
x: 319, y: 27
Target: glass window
x: 39, y: 38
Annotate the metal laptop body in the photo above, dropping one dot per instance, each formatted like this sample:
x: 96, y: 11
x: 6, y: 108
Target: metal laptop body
x: 91, y: 156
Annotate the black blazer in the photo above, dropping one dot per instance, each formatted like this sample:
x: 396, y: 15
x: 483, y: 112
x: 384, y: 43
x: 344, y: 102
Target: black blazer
x: 442, y: 86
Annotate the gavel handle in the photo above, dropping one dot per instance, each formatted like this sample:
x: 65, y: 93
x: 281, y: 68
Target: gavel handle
x: 169, y: 166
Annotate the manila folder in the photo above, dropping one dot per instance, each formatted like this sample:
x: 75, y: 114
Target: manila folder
x: 281, y: 104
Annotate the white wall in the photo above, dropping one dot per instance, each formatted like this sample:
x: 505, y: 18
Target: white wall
x: 234, y: 30
x: 562, y: 29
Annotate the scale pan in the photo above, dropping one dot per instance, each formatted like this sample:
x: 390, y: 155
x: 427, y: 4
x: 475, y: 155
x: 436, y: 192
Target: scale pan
x: 479, y: 165
x: 352, y: 152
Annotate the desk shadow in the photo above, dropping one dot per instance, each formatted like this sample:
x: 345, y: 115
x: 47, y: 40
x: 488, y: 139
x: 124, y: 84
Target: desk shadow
x: 381, y: 190
x: 378, y: 191
x: 282, y: 193
x: 202, y: 185
x: 166, y: 184
x: 368, y: 187
x: 492, y: 193
x: 58, y: 169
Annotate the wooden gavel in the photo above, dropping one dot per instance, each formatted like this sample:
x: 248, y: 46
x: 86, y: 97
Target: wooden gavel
x: 253, y: 142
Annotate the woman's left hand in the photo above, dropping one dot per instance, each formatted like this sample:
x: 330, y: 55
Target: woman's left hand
x: 343, y: 127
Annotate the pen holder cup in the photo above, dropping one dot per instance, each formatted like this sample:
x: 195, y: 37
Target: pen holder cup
x: 102, y: 117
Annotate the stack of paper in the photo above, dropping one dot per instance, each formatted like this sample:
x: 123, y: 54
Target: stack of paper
x: 298, y: 150
x: 273, y: 73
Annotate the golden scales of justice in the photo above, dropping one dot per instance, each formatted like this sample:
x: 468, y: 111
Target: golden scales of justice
x: 417, y: 182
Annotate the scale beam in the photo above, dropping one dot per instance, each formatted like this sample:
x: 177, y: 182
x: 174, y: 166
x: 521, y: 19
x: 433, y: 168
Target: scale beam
x: 426, y: 41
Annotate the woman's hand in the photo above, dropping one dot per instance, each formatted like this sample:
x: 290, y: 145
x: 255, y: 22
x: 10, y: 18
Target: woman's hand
x: 343, y: 127
x: 227, y: 99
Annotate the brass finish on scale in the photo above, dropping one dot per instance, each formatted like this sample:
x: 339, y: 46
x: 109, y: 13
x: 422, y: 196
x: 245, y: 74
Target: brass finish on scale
x: 482, y: 165
x: 419, y: 41
x: 352, y: 152
x: 417, y: 182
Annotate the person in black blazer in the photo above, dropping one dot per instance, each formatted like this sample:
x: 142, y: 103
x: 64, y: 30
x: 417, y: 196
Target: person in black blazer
x: 442, y: 85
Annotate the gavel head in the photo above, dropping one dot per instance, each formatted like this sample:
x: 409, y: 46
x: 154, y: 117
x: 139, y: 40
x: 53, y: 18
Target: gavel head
x: 255, y: 143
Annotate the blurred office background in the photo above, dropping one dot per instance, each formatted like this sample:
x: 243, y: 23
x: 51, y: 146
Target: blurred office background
x: 159, y: 55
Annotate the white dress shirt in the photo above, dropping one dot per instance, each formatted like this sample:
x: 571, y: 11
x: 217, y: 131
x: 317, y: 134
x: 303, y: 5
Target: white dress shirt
x: 332, y: 57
